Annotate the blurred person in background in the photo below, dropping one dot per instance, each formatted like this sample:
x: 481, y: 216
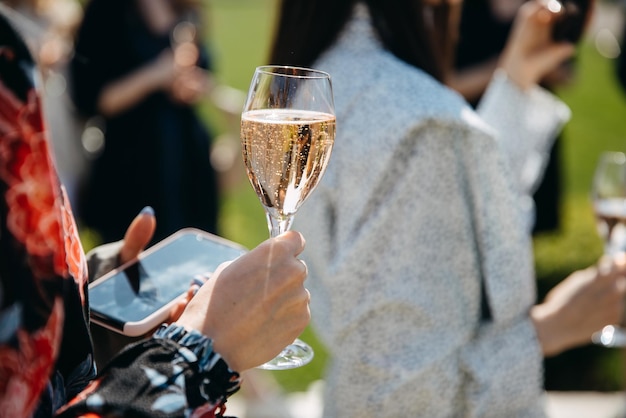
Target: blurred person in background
x: 419, y: 235
x: 484, y: 29
x: 140, y: 67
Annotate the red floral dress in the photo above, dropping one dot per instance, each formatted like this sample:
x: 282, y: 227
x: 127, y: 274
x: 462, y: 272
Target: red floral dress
x: 46, y: 356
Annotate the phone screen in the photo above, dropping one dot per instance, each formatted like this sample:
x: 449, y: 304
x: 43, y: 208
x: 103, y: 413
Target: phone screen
x: 158, y: 277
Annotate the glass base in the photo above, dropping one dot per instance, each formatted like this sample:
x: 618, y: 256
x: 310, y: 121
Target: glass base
x: 294, y: 355
x: 610, y: 336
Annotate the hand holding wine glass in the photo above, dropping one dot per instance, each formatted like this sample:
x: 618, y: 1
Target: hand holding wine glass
x: 287, y: 134
x: 609, y: 204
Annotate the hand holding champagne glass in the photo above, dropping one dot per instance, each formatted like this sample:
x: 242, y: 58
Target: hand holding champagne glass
x: 287, y: 134
x: 609, y: 204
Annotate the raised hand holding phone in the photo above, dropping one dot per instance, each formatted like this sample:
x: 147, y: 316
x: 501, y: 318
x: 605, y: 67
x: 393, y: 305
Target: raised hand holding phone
x: 530, y: 52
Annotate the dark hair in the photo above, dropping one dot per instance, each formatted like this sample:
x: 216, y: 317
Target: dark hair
x: 413, y: 31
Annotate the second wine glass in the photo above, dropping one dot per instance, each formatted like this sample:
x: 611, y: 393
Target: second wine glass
x: 609, y: 204
x: 287, y: 134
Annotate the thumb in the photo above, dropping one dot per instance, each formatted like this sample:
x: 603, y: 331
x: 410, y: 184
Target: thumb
x: 221, y: 267
x: 138, y: 234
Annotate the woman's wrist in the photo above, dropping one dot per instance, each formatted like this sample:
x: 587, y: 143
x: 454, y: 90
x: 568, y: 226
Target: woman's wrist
x: 215, y: 379
x: 515, y: 71
x: 550, y: 332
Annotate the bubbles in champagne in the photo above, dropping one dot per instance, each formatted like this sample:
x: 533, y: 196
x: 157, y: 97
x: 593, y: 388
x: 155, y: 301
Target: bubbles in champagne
x: 286, y: 153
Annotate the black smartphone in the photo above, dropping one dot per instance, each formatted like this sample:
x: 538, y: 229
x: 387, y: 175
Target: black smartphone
x: 571, y: 24
x: 138, y: 296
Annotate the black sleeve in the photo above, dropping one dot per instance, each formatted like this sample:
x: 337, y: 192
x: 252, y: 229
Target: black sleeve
x: 174, y: 374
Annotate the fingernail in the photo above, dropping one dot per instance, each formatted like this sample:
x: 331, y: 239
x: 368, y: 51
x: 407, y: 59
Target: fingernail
x: 197, y: 280
x: 200, y: 279
x: 195, y: 289
x: 147, y: 211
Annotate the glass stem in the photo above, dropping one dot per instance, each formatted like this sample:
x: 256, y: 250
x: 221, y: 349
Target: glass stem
x: 278, y: 224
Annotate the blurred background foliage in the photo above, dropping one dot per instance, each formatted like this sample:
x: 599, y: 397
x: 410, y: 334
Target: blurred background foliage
x: 240, y: 32
x: 598, y: 124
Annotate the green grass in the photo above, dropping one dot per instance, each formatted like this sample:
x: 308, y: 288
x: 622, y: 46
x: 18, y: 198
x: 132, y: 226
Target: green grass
x: 598, y: 109
x: 599, y: 118
x: 598, y: 124
x: 241, y: 33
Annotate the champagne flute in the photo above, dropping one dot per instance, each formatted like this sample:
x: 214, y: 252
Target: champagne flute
x: 287, y: 134
x: 609, y: 204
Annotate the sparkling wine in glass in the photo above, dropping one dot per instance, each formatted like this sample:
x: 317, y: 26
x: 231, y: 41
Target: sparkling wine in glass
x: 287, y: 134
x: 609, y: 205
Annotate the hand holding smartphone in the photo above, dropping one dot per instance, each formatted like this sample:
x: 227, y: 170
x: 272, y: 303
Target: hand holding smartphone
x: 138, y: 296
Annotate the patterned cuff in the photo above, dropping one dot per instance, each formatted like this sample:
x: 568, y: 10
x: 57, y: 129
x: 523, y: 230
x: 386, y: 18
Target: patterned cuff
x: 215, y: 382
